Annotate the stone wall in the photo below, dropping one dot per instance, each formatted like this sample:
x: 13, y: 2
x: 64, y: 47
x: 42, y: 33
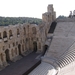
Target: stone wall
x: 16, y: 40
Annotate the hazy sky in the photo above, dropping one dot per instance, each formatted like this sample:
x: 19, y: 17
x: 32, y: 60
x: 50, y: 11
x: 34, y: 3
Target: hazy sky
x: 34, y: 8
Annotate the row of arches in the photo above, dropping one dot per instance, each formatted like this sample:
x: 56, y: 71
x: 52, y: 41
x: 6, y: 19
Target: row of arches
x: 7, y: 52
x: 18, y: 32
x: 6, y: 56
x: 11, y: 34
x: 19, y: 51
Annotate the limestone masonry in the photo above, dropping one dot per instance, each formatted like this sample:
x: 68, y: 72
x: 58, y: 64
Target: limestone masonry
x: 54, y: 38
x: 22, y: 39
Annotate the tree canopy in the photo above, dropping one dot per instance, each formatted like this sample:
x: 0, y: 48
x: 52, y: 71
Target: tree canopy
x: 5, y: 21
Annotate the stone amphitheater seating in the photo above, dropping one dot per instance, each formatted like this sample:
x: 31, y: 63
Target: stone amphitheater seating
x: 62, y: 48
x: 67, y: 57
x: 58, y: 46
x: 61, y: 51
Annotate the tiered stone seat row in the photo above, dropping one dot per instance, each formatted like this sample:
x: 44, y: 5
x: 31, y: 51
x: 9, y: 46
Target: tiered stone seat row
x: 67, y: 57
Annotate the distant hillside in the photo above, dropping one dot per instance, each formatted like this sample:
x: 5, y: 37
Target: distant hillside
x: 5, y: 21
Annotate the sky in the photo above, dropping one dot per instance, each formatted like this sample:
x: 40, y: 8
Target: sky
x: 34, y: 8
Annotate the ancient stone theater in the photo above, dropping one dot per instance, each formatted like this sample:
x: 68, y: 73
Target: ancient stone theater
x: 54, y: 37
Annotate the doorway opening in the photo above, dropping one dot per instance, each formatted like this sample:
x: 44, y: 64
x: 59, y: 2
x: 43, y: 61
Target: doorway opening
x: 34, y: 46
x: 19, y: 48
x: 7, y: 55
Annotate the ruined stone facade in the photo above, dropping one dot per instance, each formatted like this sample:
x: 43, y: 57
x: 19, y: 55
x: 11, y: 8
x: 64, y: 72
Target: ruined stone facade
x: 16, y: 40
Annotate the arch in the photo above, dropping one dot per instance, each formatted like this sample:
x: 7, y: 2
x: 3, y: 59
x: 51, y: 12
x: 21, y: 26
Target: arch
x: 34, y: 46
x: 1, y: 55
x: 18, y: 32
x: 10, y: 33
x: 4, y: 34
x: 33, y: 30
x: 16, y: 43
x: 0, y: 36
x: 24, y: 31
x: 13, y: 44
x: 7, y: 55
x: 19, y: 48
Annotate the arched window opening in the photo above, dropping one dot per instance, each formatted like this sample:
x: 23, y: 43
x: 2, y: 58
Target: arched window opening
x: 18, y: 33
x: 0, y: 36
x: 10, y: 33
x: 26, y: 39
x: 13, y: 44
x: 24, y: 31
x: 1, y: 57
x: 16, y: 43
x: 34, y: 30
x: 4, y: 34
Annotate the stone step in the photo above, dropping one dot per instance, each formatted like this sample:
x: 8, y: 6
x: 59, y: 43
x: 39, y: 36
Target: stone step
x: 68, y: 56
x: 64, y: 61
x: 59, y: 63
x: 64, y: 55
x: 73, y: 50
x: 71, y: 55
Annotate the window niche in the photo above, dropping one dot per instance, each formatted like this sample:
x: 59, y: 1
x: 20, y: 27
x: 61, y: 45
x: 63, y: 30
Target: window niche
x: 34, y: 30
x: 10, y: 34
x: 24, y: 31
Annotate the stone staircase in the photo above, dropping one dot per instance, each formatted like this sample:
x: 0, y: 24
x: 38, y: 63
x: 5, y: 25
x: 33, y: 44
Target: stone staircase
x: 67, y: 57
